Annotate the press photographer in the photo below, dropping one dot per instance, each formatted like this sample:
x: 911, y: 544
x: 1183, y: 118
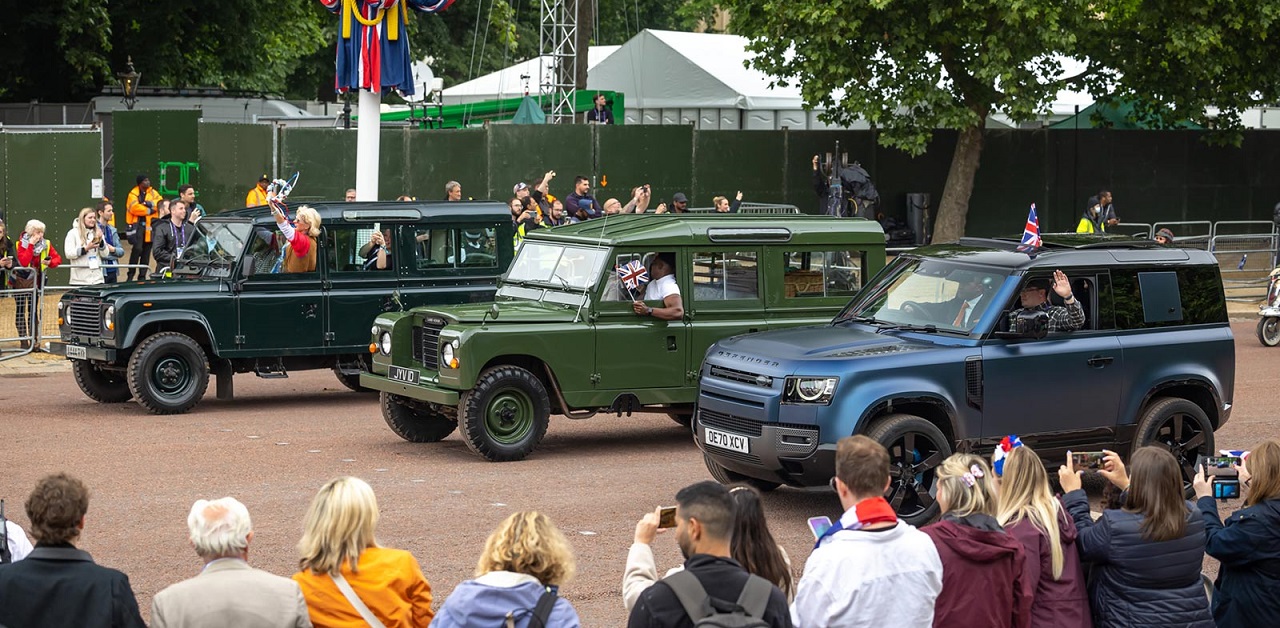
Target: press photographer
x: 1247, y: 544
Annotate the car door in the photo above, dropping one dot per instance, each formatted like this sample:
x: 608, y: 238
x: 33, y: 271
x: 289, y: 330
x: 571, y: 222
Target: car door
x: 280, y: 313
x: 725, y: 298
x: 357, y: 292
x: 635, y: 352
x: 1065, y: 386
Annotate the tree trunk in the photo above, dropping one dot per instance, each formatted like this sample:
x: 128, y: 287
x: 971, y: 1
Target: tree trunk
x: 953, y: 211
x: 586, y: 19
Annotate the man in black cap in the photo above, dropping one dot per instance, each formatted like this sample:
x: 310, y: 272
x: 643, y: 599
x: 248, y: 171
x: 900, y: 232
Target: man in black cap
x: 679, y: 203
x: 258, y: 195
x: 1035, y: 297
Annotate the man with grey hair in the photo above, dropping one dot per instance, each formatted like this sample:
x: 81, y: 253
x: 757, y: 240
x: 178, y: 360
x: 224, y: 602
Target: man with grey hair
x: 228, y: 592
x: 453, y: 191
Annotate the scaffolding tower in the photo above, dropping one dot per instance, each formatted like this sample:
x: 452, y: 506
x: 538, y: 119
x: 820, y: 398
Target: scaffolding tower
x: 558, y: 57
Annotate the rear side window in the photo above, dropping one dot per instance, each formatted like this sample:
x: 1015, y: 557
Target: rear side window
x: 1146, y: 298
x: 725, y: 276
x: 823, y: 273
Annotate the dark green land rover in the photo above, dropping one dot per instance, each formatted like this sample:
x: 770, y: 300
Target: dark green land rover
x: 229, y: 309
x: 562, y: 336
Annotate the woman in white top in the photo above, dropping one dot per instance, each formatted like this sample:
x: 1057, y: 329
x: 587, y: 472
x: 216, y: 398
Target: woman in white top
x: 84, y: 248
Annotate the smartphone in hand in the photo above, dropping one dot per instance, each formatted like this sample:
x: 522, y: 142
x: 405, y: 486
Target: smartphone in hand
x: 667, y: 517
x: 1087, y: 459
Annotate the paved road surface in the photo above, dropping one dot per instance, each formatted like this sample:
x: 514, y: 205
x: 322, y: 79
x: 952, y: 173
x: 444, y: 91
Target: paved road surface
x: 281, y: 439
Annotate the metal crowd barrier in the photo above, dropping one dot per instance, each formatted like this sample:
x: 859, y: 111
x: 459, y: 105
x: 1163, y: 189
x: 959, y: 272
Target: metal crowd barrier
x: 13, y: 303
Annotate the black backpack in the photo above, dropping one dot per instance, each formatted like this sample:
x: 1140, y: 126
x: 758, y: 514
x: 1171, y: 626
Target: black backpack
x: 541, y: 611
x: 747, y: 613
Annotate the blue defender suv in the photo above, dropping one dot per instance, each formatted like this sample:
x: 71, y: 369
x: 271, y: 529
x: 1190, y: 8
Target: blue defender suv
x: 951, y: 347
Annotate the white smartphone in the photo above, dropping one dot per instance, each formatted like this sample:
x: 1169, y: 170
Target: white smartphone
x: 819, y: 526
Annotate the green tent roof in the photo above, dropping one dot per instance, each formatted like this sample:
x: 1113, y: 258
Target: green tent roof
x: 1116, y: 115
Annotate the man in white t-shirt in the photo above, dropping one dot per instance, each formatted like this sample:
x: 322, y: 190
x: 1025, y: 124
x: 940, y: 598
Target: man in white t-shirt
x: 663, y: 288
x: 869, y: 569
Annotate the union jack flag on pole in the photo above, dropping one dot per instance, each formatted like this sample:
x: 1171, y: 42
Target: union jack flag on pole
x: 1031, y: 233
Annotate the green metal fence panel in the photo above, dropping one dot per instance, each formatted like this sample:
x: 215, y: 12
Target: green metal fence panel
x: 4, y: 178
x: 164, y: 145
x: 661, y: 156
x: 725, y: 162
x: 232, y: 158
x: 325, y: 159
x: 523, y: 153
x: 438, y: 157
x: 48, y: 177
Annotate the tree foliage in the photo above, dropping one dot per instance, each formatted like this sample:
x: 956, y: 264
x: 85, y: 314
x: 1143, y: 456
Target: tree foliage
x: 912, y: 66
x: 53, y: 50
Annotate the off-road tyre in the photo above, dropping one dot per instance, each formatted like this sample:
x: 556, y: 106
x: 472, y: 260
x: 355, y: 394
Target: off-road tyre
x: 415, y: 422
x: 505, y: 415
x: 168, y: 373
x: 352, y: 382
x: 1269, y: 331
x: 916, y: 449
x: 725, y: 476
x: 1179, y: 426
x: 98, y: 385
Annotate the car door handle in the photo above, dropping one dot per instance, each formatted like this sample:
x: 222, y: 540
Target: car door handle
x: 671, y: 343
x: 1098, y: 361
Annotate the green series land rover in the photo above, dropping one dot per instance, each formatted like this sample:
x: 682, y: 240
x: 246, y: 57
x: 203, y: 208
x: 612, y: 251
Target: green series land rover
x: 229, y: 309
x: 563, y: 337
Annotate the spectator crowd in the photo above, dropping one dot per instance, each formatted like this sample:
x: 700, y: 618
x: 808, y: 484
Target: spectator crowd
x: 1005, y: 552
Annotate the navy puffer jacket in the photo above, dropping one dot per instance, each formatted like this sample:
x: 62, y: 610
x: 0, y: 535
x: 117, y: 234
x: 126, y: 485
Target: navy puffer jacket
x: 1136, y: 582
x: 1245, y: 593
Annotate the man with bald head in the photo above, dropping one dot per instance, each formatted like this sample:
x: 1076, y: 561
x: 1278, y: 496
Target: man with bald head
x: 228, y: 592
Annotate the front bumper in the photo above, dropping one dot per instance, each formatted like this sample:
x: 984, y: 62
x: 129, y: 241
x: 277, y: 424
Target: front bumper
x: 776, y: 452
x: 421, y: 392
x: 93, y: 354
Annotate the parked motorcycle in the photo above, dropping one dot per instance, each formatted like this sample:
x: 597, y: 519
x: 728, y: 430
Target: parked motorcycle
x: 1269, y: 325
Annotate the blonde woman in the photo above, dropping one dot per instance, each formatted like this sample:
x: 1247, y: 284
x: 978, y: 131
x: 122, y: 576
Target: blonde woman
x: 300, y: 256
x: 1030, y: 513
x: 525, y: 562
x: 85, y: 247
x: 984, y: 578
x: 383, y: 587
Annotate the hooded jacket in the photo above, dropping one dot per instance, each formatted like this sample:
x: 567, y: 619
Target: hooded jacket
x: 1061, y: 603
x: 1138, y: 582
x: 486, y: 601
x: 984, y: 577
x: 1248, y: 546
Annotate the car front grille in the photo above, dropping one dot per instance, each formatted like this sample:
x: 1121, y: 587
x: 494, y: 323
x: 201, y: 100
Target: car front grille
x: 729, y: 423
x: 86, y: 318
x: 426, y: 344
x: 744, y: 377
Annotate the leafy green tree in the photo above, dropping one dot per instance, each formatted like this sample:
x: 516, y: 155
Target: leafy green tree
x: 912, y: 66
x: 53, y: 50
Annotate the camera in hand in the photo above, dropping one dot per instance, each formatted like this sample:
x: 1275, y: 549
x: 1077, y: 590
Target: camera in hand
x: 1222, y: 475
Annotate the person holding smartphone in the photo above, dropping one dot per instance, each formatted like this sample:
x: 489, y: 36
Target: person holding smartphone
x: 1247, y: 544
x: 1147, y: 554
x: 36, y: 256
x: 6, y: 257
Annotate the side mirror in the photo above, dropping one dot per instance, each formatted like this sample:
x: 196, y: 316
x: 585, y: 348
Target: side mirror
x: 246, y: 270
x: 493, y: 311
x: 1029, y: 325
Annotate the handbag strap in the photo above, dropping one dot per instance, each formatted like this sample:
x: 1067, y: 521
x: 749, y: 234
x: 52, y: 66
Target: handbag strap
x: 350, y: 594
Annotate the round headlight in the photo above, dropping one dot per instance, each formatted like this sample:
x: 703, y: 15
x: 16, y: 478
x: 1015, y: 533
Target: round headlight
x: 384, y: 343
x: 66, y: 316
x: 109, y: 317
x: 447, y: 353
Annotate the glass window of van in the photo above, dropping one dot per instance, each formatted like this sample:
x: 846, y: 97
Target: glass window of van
x: 823, y: 273
x: 725, y: 276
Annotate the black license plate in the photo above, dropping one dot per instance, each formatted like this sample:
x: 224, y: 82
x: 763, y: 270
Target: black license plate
x: 403, y: 375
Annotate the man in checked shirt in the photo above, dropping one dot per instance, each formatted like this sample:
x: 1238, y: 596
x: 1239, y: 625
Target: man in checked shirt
x: 1035, y: 296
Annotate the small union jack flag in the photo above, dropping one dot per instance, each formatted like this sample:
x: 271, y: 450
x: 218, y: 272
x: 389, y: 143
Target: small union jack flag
x: 633, y: 274
x: 1031, y: 233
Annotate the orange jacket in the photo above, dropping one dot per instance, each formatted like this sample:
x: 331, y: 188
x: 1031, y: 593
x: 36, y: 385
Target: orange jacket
x: 389, y: 582
x: 138, y: 210
x: 255, y: 197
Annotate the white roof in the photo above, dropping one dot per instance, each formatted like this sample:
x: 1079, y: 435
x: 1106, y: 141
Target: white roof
x: 668, y: 69
x: 506, y: 83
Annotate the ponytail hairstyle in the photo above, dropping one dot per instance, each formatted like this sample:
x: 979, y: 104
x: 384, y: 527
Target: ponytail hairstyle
x: 1025, y: 494
x: 969, y: 484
